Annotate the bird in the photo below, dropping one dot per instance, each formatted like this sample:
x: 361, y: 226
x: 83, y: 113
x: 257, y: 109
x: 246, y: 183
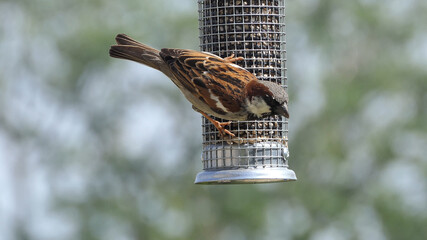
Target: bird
x: 215, y: 86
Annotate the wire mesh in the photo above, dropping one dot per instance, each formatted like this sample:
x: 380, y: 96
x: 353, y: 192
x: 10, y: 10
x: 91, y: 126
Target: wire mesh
x: 254, y: 30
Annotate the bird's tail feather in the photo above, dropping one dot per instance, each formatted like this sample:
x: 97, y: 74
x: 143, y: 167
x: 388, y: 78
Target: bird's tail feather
x: 129, y: 49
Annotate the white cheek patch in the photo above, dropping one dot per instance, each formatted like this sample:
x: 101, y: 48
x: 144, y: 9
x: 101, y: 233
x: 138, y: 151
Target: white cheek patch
x: 218, y: 102
x: 257, y: 106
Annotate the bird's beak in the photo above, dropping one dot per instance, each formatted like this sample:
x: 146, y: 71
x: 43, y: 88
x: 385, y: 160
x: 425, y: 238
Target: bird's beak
x: 282, y: 111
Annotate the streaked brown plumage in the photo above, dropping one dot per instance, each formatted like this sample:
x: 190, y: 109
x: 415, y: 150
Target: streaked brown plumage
x: 214, y: 85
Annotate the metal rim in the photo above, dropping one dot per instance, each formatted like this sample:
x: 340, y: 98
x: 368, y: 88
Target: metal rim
x: 239, y: 176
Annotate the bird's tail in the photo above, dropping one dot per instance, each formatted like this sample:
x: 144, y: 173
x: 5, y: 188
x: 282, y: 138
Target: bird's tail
x: 129, y: 49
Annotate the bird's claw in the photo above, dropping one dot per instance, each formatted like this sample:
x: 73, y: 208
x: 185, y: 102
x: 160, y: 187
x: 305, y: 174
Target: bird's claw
x: 220, y: 126
x: 232, y: 59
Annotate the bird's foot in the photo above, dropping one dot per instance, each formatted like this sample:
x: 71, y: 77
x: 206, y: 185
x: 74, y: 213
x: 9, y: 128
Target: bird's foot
x: 219, y: 125
x: 232, y: 59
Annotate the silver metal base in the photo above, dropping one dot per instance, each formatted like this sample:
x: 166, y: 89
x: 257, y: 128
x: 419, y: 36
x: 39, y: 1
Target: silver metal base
x: 240, y: 176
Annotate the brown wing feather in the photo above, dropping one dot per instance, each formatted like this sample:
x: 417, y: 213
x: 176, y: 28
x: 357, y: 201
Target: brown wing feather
x: 208, y: 75
x: 225, y: 77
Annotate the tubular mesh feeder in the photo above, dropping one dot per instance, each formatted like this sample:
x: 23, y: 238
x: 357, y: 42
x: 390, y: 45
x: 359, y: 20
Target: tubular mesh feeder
x: 254, y: 30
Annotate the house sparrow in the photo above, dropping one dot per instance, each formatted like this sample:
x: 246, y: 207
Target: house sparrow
x: 214, y: 85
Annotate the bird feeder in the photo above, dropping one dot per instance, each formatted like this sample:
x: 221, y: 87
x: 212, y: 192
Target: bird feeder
x: 254, y: 30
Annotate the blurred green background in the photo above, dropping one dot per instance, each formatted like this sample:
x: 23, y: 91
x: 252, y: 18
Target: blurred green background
x: 98, y: 148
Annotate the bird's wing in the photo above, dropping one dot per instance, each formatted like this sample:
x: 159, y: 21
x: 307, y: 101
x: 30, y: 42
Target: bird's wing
x: 219, y: 82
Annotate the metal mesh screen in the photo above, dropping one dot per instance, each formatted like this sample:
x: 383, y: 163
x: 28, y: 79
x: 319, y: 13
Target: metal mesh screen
x: 254, y: 30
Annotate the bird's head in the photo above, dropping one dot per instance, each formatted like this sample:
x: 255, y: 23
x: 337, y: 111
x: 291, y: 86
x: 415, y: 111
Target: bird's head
x: 264, y: 98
